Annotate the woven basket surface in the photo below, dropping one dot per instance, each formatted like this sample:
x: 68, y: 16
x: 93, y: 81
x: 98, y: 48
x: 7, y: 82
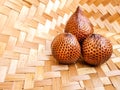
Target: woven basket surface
x: 27, y: 28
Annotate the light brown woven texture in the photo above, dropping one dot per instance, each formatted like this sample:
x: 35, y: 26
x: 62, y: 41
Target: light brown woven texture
x: 27, y: 28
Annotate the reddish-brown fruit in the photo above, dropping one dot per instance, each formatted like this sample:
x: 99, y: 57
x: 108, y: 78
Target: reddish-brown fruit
x: 79, y: 25
x: 96, y: 49
x: 66, y: 48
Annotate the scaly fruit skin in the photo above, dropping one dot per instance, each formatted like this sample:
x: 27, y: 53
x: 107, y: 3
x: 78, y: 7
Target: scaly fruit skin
x: 65, y: 48
x: 96, y: 49
x: 79, y: 25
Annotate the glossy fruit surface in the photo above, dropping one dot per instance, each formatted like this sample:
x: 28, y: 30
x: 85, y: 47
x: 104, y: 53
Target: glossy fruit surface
x: 66, y: 48
x: 96, y: 49
x: 79, y: 25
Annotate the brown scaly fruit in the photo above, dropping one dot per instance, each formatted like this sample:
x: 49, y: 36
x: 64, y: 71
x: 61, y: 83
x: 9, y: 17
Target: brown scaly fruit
x: 65, y: 48
x: 96, y: 49
x: 79, y: 25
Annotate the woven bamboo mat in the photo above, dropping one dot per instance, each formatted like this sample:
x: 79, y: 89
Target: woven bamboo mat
x: 27, y: 28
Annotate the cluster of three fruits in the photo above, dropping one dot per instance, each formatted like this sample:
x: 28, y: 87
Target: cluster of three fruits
x: 79, y: 41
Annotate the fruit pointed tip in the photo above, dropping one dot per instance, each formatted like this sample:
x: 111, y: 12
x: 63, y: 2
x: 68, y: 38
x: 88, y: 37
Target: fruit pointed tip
x: 79, y: 9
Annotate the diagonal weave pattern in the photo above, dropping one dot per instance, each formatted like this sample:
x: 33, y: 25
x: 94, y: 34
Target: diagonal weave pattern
x: 27, y: 28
